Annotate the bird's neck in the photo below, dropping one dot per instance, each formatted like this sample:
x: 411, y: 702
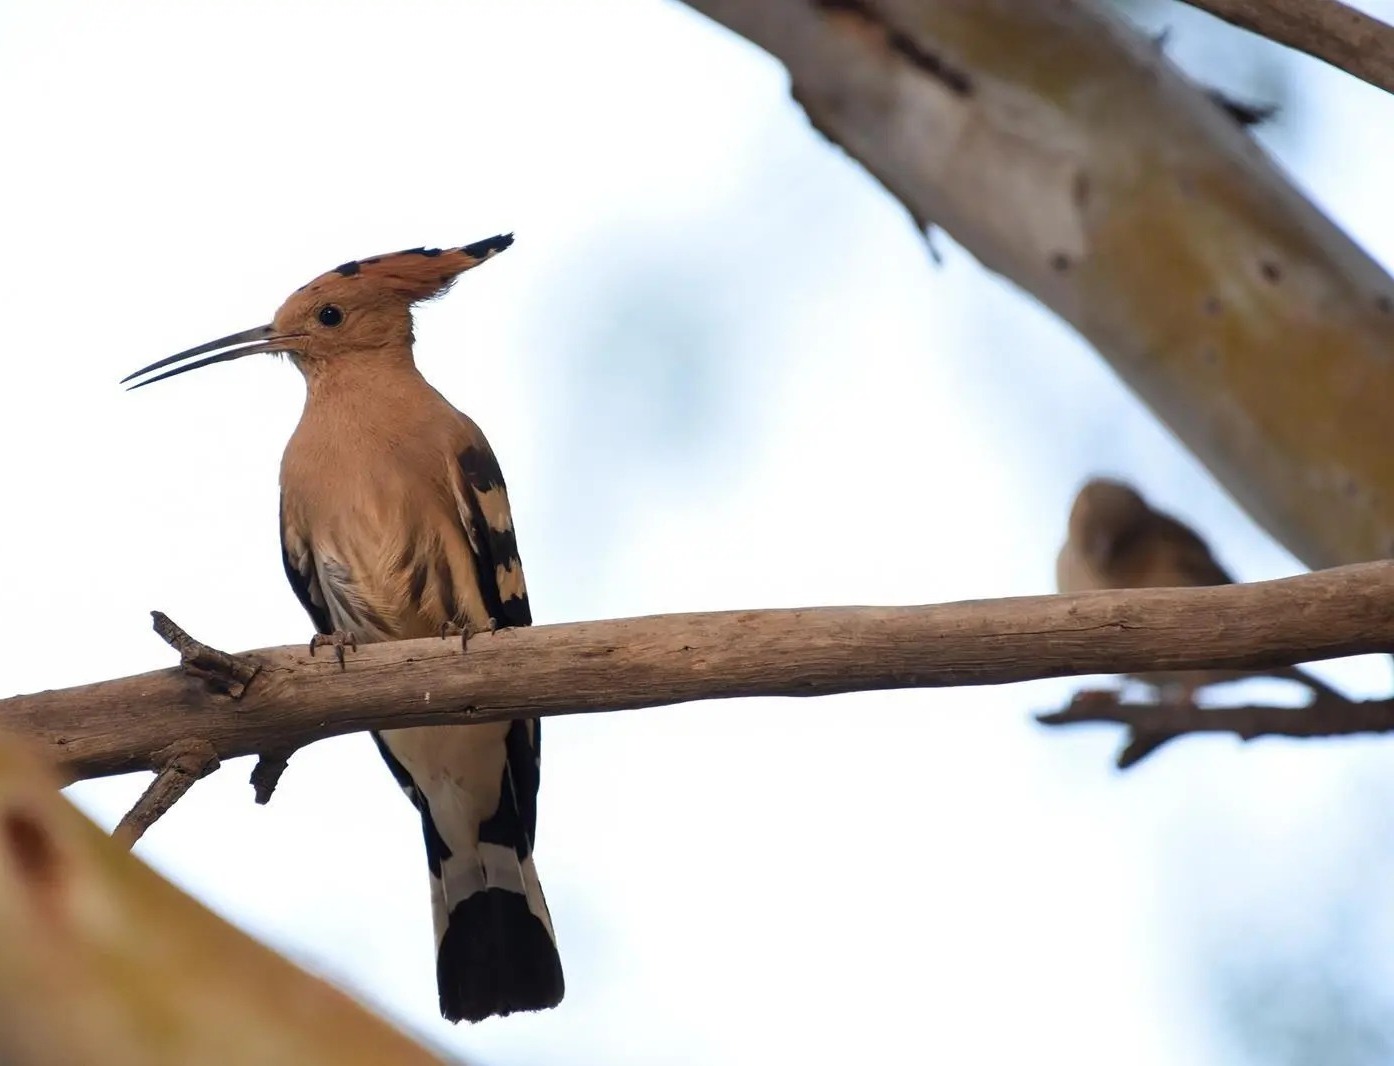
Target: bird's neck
x: 365, y: 406
x: 377, y: 381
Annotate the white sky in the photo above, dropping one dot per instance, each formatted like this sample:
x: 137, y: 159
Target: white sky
x: 922, y: 876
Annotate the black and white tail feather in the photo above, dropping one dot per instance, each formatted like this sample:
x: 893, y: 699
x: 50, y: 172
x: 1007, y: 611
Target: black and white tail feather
x: 495, y: 948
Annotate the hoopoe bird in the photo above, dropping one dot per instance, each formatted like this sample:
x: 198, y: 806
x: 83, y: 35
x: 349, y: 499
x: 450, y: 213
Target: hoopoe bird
x: 395, y: 524
x: 1117, y: 540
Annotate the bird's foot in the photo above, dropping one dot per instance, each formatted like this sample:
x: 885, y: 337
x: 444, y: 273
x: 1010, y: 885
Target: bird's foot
x: 336, y: 640
x: 450, y: 629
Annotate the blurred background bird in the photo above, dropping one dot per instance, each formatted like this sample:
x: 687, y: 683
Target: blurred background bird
x: 1117, y: 540
x: 395, y: 524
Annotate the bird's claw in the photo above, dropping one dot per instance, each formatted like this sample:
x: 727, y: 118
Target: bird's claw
x: 336, y: 640
x: 451, y: 629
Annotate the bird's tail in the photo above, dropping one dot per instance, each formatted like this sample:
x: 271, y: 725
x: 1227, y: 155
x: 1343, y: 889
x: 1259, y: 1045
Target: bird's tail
x: 495, y: 949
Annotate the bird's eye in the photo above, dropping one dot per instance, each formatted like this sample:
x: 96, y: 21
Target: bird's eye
x: 329, y: 315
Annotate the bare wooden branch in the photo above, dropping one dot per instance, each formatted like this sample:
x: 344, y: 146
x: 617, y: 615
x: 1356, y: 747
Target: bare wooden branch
x: 1056, y: 144
x: 1328, y: 30
x: 121, y: 725
x: 266, y: 774
x: 1150, y: 725
x: 184, y: 762
x: 220, y: 671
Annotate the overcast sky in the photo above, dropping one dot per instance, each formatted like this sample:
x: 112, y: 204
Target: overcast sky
x: 720, y: 370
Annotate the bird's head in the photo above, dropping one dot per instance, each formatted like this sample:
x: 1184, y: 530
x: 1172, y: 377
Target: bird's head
x: 354, y: 310
x: 1104, y: 514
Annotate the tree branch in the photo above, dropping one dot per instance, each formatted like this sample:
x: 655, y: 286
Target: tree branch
x: 182, y: 765
x: 1056, y: 144
x: 1328, y: 30
x: 220, y: 671
x: 1150, y: 725
x: 127, y: 724
x: 266, y: 774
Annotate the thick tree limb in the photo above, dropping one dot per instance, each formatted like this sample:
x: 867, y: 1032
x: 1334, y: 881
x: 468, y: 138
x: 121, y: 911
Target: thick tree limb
x: 1150, y: 725
x: 1057, y: 145
x: 1328, y: 30
x: 121, y: 725
x: 106, y: 962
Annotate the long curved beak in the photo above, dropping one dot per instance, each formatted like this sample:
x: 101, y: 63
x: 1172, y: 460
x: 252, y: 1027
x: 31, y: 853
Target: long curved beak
x: 233, y: 346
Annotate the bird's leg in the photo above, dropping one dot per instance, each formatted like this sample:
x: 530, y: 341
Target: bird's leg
x: 464, y: 632
x: 336, y: 640
x: 1179, y: 695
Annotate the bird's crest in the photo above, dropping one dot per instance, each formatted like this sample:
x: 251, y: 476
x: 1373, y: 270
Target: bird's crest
x: 414, y: 274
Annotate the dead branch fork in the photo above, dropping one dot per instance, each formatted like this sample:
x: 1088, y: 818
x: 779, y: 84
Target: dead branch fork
x: 182, y: 763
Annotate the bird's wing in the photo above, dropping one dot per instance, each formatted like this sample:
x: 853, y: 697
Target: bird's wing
x: 299, y: 562
x: 482, y: 499
x: 1190, y: 555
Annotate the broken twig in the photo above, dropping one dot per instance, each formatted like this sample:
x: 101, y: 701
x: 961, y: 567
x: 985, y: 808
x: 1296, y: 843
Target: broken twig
x: 266, y: 774
x: 222, y: 672
x: 184, y: 762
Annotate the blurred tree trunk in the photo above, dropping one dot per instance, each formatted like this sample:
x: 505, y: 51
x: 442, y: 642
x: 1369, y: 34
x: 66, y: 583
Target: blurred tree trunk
x: 105, y: 963
x: 1061, y: 148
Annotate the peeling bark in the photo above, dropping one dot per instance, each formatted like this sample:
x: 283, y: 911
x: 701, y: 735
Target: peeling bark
x: 1069, y: 155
